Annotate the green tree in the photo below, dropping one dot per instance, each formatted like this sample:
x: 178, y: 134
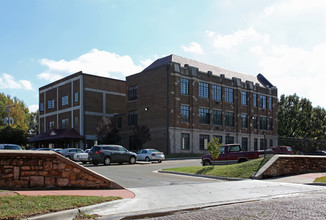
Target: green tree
x: 13, y: 136
x: 107, y: 132
x: 33, y: 123
x: 214, y: 148
x: 141, y: 135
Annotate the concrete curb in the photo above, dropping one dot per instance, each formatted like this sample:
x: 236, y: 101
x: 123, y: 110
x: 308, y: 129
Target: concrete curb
x: 200, y: 175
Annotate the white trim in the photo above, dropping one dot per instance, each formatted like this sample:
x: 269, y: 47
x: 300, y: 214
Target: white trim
x: 99, y: 114
x: 60, y: 84
x: 60, y: 111
x: 105, y: 91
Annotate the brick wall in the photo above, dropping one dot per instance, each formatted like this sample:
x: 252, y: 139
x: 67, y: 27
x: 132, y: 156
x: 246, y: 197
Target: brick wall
x: 283, y: 165
x: 47, y: 170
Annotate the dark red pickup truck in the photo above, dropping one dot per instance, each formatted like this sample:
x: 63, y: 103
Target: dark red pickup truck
x: 230, y: 153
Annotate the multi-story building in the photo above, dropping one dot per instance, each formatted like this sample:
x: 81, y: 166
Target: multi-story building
x: 71, y: 109
x: 185, y: 103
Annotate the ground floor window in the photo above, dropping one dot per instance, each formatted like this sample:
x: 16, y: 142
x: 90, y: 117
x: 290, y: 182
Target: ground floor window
x: 185, y: 141
x: 255, y: 144
x: 244, y: 144
x: 229, y: 140
x: 203, y: 141
x: 262, y: 144
x: 220, y: 138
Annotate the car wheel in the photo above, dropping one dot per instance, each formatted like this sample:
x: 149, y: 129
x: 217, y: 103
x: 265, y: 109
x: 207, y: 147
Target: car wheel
x: 84, y: 162
x: 206, y: 163
x: 160, y: 161
x: 132, y: 160
x: 95, y: 163
x: 147, y: 159
x: 68, y: 157
x: 107, y: 161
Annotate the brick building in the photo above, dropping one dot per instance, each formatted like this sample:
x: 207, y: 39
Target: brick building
x: 71, y: 108
x: 183, y: 102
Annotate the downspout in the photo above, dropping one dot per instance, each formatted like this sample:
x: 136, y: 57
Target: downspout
x: 167, y: 111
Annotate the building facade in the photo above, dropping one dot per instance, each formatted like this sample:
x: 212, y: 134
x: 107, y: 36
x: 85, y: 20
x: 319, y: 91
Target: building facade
x: 184, y: 103
x: 77, y: 102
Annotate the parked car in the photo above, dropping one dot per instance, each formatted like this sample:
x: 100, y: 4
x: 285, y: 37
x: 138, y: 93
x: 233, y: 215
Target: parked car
x: 319, y: 152
x: 283, y: 150
x: 150, y: 155
x: 69, y: 152
x: 230, y: 153
x: 10, y: 147
x: 81, y: 157
x: 108, y: 154
x: 44, y: 149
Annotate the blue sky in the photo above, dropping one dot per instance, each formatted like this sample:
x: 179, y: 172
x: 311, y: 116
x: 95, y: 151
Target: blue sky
x: 42, y: 41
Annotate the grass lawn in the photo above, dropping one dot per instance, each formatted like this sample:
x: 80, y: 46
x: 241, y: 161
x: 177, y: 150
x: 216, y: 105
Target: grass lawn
x: 240, y: 170
x: 320, y: 180
x: 19, y: 206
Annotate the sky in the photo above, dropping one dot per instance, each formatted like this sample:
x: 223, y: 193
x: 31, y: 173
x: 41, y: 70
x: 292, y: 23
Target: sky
x: 43, y: 41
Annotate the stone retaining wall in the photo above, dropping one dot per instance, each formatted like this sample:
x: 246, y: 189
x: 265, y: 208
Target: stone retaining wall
x: 47, y: 170
x: 283, y: 165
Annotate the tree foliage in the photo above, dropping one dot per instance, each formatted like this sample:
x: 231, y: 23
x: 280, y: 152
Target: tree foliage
x: 11, y: 135
x: 19, y: 112
x: 214, y: 148
x: 142, y: 135
x: 107, y: 132
x: 298, y: 118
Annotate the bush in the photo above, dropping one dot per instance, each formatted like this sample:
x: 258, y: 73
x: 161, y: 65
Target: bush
x: 214, y: 148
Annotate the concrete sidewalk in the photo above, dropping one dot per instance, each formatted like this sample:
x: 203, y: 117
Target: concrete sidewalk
x: 306, y: 178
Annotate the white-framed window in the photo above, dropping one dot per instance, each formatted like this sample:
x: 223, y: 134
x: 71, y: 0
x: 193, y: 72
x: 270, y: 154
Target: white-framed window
x: 64, y: 100
x: 51, y: 124
x: 76, y: 97
x: 41, y: 107
x: 50, y: 104
x: 64, y: 123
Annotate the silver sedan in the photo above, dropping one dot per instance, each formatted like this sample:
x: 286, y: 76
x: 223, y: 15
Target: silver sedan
x: 150, y: 155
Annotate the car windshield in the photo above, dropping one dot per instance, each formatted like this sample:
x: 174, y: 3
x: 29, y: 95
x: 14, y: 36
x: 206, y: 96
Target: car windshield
x: 11, y: 147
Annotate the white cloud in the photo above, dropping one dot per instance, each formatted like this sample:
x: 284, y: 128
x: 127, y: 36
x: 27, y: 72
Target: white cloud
x: 7, y: 81
x: 101, y: 63
x: 33, y: 108
x: 194, y: 47
x: 239, y: 37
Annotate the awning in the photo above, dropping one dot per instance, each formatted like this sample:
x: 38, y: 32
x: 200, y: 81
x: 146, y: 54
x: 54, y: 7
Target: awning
x: 57, y: 135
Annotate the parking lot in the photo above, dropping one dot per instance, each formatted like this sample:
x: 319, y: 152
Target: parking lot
x: 144, y: 174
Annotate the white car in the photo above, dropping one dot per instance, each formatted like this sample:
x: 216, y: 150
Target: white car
x: 150, y: 155
x: 81, y: 157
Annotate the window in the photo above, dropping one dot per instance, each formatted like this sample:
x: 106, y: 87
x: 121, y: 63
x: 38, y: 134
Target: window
x: 204, y: 115
x: 203, y: 141
x: 243, y: 98
x: 76, y: 121
x: 254, y: 101
x: 244, y: 121
x: 185, y: 141
x: 51, y: 125
x: 244, y: 145
x: 216, y: 93
x: 184, y: 113
x: 255, y: 122
x: 271, y: 124
x: 76, y: 97
x: 262, y: 101
x: 64, y: 123
x: 229, y: 140
x: 217, y: 117
x: 64, y: 100
x: 229, y: 119
x: 220, y: 138
x: 255, y: 144
x: 41, y: 107
x: 263, y: 123
x: 50, y: 104
x: 132, y: 92
x: 203, y: 90
x: 270, y: 142
x: 228, y: 95
x: 270, y: 103
x: 184, y: 86
x: 262, y: 144
x: 132, y: 118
